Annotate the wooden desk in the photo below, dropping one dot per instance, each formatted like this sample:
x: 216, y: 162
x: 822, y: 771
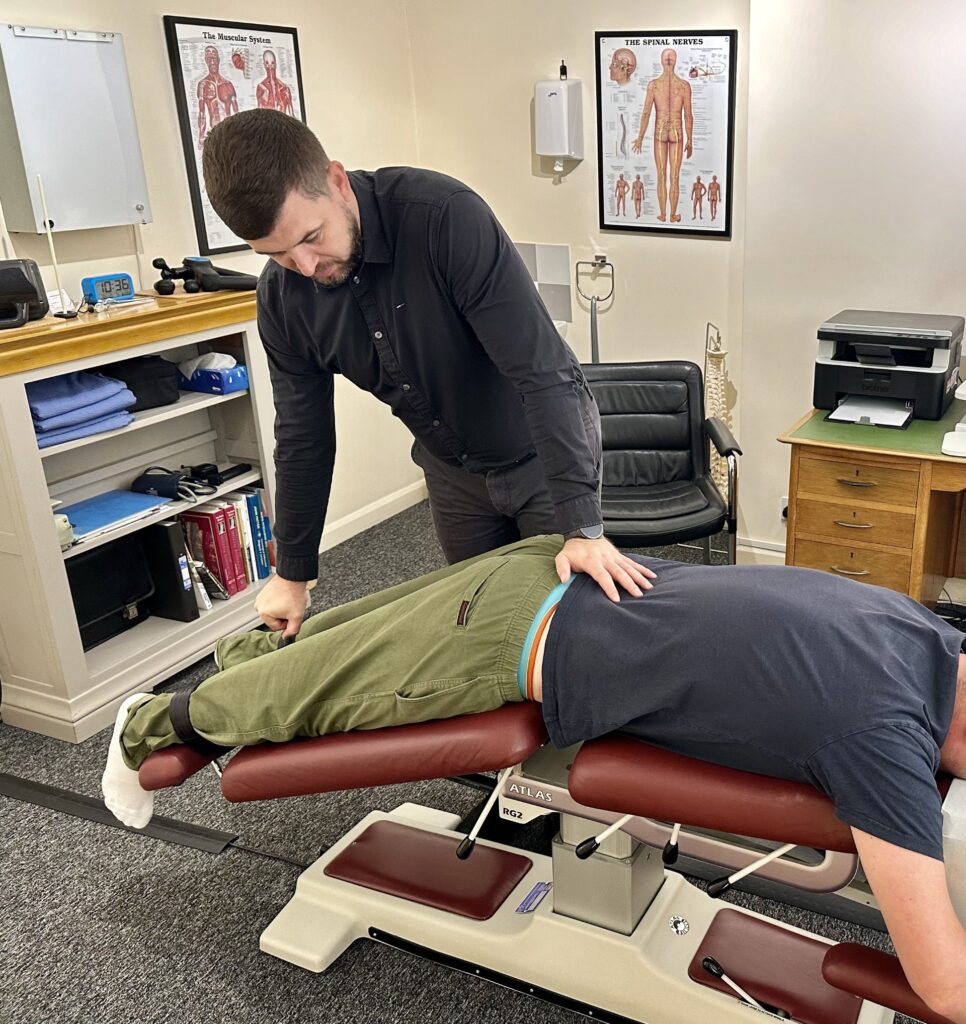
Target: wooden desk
x: 873, y: 504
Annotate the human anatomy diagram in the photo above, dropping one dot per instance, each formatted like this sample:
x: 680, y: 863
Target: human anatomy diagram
x: 272, y: 92
x: 664, y: 124
x: 216, y: 95
x: 225, y: 68
x: 229, y: 75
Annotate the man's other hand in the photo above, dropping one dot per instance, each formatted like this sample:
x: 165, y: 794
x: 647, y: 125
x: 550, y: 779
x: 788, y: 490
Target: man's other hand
x: 281, y: 604
x: 602, y: 561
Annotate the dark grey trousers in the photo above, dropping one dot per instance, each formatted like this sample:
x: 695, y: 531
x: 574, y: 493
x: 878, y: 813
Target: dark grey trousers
x: 477, y: 512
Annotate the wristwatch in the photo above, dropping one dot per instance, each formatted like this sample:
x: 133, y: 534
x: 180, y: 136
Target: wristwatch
x: 594, y: 532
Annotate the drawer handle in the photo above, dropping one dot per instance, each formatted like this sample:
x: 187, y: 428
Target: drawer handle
x: 851, y: 572
x: 857, y: 483
x: 853, y: 526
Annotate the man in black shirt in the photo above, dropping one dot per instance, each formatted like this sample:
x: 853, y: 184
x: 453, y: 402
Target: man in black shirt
x: 403, y: 281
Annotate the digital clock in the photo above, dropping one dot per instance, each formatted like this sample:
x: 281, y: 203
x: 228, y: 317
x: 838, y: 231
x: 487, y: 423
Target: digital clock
x: 108, y: 287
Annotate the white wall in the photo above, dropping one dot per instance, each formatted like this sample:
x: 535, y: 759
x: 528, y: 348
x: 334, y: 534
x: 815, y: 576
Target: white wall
x: 847, y: 189
x: 847, y: 183
x: 474, y: 68
x: 358, y: 99
x: 855, y: 196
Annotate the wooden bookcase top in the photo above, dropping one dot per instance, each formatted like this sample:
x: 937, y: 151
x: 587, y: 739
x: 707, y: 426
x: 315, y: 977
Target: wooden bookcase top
x: 51, y: 341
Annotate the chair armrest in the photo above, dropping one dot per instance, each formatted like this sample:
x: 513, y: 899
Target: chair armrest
x: 721, y: 436
x: 877, y: 977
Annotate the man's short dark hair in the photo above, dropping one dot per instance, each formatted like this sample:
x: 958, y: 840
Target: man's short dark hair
x: 252, y: 161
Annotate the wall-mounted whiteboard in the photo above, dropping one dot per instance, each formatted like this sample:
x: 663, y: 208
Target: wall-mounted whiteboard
x: 66, y: 114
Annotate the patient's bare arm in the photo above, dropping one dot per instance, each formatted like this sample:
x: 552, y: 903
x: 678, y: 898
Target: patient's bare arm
x: 914, y: 900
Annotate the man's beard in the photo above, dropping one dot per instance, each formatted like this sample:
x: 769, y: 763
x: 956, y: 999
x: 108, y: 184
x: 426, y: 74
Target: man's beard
x: 344, y: 268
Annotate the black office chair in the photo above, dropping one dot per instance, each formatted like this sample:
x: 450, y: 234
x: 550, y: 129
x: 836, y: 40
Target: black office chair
x: 657, y: 485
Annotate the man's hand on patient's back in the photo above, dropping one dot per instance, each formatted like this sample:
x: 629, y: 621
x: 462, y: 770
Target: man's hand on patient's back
x: 281, y: 604
x: 601, y: 560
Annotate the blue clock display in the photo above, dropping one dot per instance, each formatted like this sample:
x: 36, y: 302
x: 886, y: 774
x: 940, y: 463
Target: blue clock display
x: 108, y: 287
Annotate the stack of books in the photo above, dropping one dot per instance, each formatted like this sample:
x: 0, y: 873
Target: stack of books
x: 231, y: 538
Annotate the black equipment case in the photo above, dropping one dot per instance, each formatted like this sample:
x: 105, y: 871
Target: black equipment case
x: 111, y: 587
x: 153, y: 380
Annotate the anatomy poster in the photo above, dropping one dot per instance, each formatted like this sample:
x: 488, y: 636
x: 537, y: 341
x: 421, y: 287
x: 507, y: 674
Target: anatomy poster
x: 665, y: 129
x: 220, y: 68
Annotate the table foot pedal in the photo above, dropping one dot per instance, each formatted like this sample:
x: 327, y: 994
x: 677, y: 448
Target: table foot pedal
x: 778, y: 968
x: 423, y: 867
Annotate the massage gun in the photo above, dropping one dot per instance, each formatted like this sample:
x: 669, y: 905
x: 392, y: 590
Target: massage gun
x: 199, y: 275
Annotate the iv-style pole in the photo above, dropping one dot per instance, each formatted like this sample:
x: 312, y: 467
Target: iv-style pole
x: 595, y: 266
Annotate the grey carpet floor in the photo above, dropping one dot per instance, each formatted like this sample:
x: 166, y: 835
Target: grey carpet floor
x: 100, y: 924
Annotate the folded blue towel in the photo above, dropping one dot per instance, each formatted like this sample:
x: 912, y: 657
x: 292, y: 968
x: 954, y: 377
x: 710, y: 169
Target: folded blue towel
x: 69, y: 391
x: 98, y: 426
x: 115, y: 403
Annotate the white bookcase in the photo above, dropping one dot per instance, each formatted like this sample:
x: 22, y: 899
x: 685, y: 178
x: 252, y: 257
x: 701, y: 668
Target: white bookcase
x: 49, y: 683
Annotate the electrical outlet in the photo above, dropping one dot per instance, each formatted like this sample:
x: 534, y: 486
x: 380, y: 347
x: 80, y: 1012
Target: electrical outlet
x: 783, y: 506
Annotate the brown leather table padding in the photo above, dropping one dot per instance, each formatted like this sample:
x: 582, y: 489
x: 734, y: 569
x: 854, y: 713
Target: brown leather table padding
x: 878, y: 977
x: 170, y: 767
x: 619, y: 773
x: 378, y: 757
x: 773, y: 966
x: 423, y: 867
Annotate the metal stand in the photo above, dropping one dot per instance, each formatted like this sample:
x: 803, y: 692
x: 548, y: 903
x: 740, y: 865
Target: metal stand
x: 594, y: 266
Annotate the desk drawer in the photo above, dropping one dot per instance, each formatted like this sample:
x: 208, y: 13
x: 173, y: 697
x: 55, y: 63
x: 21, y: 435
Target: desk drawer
x: 858, y: 481
x: 855, y: 563
x: 854, y: 524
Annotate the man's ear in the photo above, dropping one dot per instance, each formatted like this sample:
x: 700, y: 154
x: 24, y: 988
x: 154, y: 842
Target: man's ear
x: 338, y: 180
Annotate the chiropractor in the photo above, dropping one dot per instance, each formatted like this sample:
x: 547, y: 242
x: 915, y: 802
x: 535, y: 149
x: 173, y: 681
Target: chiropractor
x: 403, y: 281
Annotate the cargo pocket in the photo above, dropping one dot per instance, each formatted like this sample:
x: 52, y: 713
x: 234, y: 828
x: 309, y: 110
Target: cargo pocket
x: 472, y: 597
x: 422, y: 702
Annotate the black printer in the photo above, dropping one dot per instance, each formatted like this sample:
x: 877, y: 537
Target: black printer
x: 907, y: 357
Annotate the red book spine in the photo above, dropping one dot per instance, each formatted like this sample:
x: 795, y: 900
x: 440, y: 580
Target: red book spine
x: 235, y: 542
x: 199, y: 534
x: 226, y: 564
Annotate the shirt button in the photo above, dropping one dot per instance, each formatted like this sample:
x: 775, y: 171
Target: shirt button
x: 464, y: 457
x: 406, y: 387
x: 355, y: 280
x: 435, y: 423
x: 377, y: 335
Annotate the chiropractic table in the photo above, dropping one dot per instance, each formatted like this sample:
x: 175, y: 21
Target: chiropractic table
x: 600, y: 926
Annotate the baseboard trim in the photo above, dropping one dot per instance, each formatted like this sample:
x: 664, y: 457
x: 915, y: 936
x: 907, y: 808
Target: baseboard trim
x: 760, y: 552
x: 369, y: 515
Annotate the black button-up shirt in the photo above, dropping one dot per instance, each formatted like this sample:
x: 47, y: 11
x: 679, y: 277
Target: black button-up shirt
x: 442, y: 322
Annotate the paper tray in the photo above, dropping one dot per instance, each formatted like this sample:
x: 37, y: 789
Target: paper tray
x: 872, y: 412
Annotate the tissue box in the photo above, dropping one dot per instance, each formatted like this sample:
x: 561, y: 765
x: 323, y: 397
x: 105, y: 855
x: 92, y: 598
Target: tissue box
x: 216, y: 382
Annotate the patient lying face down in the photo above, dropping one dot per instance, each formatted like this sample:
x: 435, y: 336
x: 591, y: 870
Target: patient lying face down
x: 782, y: 671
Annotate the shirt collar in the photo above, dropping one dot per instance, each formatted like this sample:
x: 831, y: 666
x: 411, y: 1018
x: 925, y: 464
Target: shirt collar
x: 375, y: 244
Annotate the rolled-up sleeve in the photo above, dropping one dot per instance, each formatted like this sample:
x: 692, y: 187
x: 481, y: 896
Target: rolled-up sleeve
x: 492, y: 288
x: 304, y: 450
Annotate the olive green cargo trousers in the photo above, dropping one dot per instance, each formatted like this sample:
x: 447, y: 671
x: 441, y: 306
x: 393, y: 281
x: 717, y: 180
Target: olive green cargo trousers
x: 442, y: 645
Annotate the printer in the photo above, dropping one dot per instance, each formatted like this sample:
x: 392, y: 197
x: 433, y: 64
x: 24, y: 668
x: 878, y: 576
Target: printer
x: 910, y: 358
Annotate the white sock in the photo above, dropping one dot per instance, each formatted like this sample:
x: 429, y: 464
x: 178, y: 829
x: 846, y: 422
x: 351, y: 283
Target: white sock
x: 123, y: 796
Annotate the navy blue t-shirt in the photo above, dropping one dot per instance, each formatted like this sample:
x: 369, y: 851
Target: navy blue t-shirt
x: 782, y: 671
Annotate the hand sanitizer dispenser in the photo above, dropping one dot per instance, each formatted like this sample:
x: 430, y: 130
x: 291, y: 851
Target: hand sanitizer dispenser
x: 558, y: 119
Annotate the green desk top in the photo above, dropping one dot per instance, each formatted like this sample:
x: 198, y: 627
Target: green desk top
x: 921, y: 437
